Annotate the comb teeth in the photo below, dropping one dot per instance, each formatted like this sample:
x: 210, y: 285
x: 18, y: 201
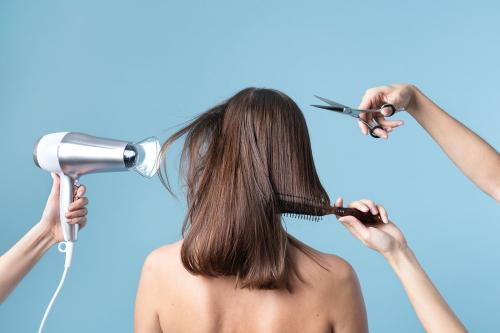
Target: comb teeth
x: 300, y: 207
x: 314, y: 218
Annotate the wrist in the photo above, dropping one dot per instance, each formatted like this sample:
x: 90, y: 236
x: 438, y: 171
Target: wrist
x: 415, y: 96
x: 44, y: 233
x: 399, y: 256
x: 417, y: 101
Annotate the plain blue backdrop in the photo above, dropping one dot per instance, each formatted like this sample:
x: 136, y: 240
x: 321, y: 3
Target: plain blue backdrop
x: 131, y: 69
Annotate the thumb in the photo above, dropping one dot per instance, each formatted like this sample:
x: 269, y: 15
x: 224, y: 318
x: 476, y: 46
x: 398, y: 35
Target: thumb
x: 387, y: 111
x: 54, y: 192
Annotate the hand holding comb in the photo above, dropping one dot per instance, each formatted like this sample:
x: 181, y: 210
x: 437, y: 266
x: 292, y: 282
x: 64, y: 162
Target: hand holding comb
x: 312, y: 209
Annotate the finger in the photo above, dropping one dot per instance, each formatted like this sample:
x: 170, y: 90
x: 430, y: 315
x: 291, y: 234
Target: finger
x: 381, y: 133
x: 371, y: 205
x: 389, y: 123
x: 370, y: 121
x: 388, y: 127
x: 359, y: 229
x: 368, y: 99
x: 82, y: 225
x: 360, y: 206
x: 338, y: 203
x: 77, y: 213
x: 78, y: 204
x: 375, y: 128
x: 347, y: 225
x: 373, y: 96
x: 78, y: 220
x: 362, y: 125
x: 387, y: 111
x: 351, y: 229
x: 383, y: 213
x: 80, y: 191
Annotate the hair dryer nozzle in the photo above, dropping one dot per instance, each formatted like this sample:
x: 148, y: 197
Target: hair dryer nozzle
x: 143, y: 156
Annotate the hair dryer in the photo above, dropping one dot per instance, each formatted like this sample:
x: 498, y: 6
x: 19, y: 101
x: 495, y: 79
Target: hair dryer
x: 72, y: 155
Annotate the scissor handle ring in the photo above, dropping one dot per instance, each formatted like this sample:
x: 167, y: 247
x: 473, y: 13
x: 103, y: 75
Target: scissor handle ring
x: 372, y: 131
x: 390, y: 106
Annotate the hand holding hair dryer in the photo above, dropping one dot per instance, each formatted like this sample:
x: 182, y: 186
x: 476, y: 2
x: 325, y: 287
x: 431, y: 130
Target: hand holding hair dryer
x: 71, y: 155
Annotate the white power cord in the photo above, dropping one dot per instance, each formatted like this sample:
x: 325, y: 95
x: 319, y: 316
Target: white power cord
x: 68, y: 250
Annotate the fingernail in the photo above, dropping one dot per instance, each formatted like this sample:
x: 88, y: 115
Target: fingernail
x: 400, y: 122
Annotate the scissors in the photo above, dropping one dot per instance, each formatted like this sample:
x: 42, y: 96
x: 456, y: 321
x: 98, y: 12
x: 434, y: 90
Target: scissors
x: 342, y: 109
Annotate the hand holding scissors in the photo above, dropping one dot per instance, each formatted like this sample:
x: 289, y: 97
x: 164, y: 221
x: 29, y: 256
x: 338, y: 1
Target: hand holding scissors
x: 370, y: 118
x: 399, y: 95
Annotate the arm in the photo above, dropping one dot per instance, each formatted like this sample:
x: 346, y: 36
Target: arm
x: 146, y: 318
x: 430, y: 307
x: 472, y: 155
x: 18, y: 261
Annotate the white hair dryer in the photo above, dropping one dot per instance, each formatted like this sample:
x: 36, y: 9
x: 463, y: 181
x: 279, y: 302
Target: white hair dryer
x: 71, y: 155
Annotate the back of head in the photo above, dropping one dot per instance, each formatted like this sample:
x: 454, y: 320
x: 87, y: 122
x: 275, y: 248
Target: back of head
x: 240, y: 159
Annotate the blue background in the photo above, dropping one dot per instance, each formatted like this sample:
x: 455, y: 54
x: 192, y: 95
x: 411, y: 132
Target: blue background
x: 131, y: 69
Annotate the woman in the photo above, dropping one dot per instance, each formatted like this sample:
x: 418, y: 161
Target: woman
x: 246, y: 161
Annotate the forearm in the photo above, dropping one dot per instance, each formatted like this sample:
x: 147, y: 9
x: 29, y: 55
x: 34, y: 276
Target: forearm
x: 475, y: 157
x: 431, y: 308
x: 19, y: 260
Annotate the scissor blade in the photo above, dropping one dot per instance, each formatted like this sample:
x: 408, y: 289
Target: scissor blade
x: 328, y: 107
x: 332, y: 103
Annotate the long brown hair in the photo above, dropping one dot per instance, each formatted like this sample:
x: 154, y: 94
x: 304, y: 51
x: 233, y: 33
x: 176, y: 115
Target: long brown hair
x: 237, y: 160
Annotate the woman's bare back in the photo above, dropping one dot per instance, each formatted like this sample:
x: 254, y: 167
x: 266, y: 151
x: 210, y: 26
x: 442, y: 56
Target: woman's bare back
x: 170, y: 299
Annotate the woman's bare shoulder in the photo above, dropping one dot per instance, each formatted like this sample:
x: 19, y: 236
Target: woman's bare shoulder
x: 327, y: 270
x: 165, y: 259
x: 334, y: 284
x: 166, y: 251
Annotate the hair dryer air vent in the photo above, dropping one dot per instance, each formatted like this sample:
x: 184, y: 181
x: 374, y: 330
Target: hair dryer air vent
x: 143, y: 156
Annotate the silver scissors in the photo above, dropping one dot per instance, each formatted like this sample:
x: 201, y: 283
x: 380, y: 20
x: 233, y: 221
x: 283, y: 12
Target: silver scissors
x: 342, y: 109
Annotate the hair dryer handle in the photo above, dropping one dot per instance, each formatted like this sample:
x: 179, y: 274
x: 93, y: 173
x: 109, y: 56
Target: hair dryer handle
x: 66, y: 187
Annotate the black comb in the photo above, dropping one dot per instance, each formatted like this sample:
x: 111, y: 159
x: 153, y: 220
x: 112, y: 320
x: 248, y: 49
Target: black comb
x: 314, y: 209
